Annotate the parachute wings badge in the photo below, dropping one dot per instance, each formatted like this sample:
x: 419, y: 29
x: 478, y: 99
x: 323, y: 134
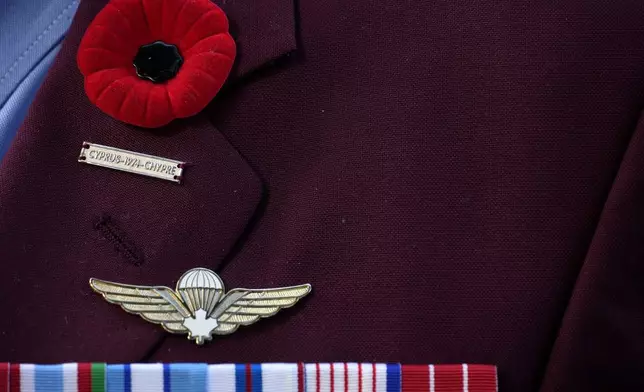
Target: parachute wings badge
x: 199, y: 306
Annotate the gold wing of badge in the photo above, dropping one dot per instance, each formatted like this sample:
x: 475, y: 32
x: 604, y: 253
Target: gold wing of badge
x: 245, y: 307
x: 199, y: 305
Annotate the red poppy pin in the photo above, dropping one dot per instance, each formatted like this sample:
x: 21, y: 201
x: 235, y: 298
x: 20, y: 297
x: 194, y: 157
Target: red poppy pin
x: 147, y: 62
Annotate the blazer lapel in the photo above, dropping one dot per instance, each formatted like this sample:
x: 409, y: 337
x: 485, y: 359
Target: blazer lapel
x: 264, y: 30
x: 62, y: 222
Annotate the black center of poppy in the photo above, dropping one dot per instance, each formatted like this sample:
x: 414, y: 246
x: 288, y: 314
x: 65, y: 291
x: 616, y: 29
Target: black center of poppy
x: 157, y: 61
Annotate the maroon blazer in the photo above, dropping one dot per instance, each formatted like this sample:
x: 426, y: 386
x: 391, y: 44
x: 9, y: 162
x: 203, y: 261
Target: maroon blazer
x: 459, y: 181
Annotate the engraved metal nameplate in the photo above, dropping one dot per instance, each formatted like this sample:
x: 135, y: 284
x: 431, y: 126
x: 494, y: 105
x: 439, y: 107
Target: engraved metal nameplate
x: 133, y: 162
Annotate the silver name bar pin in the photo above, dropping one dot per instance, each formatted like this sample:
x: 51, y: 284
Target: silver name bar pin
x: 132, y: 162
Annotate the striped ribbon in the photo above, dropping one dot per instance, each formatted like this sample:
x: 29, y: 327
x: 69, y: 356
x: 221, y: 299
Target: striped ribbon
x: 265, y: 377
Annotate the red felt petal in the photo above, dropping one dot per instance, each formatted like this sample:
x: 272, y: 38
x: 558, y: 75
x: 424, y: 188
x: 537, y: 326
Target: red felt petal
x: 154, y: 13
x: 135, y: 105
x: 97, y: 82
x: 159, y: 111
x: 211, y: 23
x: 111, y: 99
x: 215, y: 65
x: 198, y: 82
x: 111, y: 18
x: 132, y: 12
x: 91, y: 60
x: 103, y: 37
x: 190, y: 14
x: 220, y: 43
x: 170, y: 12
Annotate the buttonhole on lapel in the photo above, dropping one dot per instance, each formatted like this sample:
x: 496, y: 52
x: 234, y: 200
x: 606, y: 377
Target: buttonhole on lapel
x: 122, y: 244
